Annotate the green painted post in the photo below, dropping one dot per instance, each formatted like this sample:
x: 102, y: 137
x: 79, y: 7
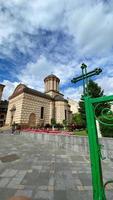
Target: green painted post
x: 97, y: 179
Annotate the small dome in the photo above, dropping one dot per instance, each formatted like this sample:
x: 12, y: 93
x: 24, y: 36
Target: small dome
x: 51, y: 76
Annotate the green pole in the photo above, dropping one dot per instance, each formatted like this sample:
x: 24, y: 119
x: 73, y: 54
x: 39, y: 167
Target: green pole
x: 94, y: 147
x: 83, y: 81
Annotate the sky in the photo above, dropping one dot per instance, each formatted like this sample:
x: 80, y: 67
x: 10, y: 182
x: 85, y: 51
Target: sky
x: 40, y: 37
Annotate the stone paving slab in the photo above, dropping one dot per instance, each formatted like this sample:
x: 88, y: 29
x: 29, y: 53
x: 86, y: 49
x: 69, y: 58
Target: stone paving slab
x: 45, y: 171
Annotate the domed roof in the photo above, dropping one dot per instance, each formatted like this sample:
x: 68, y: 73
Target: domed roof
x: 51, y: 76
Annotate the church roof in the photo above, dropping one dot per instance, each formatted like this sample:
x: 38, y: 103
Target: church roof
x: 51, y: 76
x: 37, y: 93
x: 59, y: 98
x: 2, y: 86
x: 21, y: 88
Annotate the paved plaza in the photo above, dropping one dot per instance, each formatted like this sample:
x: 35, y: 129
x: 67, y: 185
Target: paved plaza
x: 44, y: 171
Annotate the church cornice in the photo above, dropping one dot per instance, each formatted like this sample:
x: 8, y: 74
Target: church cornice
x: 54, y: 92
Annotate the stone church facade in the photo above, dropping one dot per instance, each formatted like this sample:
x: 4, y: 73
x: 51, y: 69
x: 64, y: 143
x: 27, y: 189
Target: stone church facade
x: 31, y: 108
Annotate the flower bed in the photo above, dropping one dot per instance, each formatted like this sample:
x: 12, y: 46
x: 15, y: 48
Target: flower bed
x: 45, y: 131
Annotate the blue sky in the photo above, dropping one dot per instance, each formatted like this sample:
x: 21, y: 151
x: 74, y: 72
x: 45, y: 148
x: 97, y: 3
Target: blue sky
x: 38, y: 38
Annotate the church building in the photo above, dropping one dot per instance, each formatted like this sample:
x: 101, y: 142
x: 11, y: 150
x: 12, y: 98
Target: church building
x: 31, y: 108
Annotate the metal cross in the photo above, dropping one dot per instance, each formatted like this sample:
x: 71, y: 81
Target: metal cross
x: 85, y: 75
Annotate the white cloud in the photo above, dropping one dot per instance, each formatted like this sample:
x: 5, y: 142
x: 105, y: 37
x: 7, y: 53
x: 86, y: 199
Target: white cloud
x: 34, y: 73
x: 9, y: 88
x: 90, y: 23
x: 92, y: 27
x: 106, y: 83
x: 73, y: 93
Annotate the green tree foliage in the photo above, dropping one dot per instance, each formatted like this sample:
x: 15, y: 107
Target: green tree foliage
x: 77, y: 119
x: 64, y: 122
x: 53, y: 122
x: 94, y: 90
x: 106, y: 130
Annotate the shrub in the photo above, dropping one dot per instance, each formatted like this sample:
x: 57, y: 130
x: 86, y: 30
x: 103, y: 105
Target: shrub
x: 78, y: 121
x: 106, y: 130
x: 74, y: 126
x: 59, y: 126
x: 48, y: 126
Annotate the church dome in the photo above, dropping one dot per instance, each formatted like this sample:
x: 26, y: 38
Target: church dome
x: 51, y: 83
x: 51, y: 76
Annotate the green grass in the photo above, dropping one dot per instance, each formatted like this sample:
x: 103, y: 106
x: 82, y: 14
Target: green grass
x: 80, y: 133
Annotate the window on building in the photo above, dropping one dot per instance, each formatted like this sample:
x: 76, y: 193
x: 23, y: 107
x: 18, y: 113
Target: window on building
x: 65, y: 114
x: 42, y: 113
x: 2, y: 116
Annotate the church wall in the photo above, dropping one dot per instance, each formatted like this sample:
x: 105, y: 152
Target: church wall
x: 33, y: 104
x: 60, y: 108
x: 17, y: 103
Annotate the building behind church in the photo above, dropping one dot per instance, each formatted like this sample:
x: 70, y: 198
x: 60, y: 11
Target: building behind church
x: 31, y: 108
x: 3, y: 107
x: 74, y: 106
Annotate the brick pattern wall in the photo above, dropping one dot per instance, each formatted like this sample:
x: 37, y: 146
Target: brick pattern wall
x: 60, y: 107
x: 17, y: 103
x: 26, y: 104
x: 33, y: 104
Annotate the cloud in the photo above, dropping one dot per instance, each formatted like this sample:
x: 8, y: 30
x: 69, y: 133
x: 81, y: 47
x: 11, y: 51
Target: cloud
x: 9, y: 88
x: 91, y: 24
x: 41, y: 37
x: 106, y: 83
x: 34, y: 72
x: 86, y: 22
x: 73, y: 93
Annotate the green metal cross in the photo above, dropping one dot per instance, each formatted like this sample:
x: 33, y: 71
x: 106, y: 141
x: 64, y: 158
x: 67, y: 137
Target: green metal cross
x: 94, y: 146
x: 85, y: 77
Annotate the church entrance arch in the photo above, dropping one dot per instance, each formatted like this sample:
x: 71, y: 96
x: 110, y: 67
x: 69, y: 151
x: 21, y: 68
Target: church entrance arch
x: 32, y: 120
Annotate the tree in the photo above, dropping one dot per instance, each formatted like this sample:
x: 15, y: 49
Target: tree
x: 64, y: 123
x: 106, y: 127
x: 77, y: 119
x: 94, y: 90
x: 53, y: 122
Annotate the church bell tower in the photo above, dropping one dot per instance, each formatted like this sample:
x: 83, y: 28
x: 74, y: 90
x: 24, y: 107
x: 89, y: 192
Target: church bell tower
x: 52, y: 85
